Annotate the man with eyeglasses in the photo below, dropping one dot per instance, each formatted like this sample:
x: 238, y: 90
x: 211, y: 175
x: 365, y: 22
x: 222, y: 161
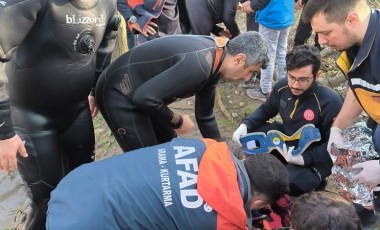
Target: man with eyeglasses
x: 299, y: 99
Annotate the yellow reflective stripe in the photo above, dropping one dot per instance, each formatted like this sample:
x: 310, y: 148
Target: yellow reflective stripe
x: 295, y: 107
x: 343, y: 62
x: 319, y: 105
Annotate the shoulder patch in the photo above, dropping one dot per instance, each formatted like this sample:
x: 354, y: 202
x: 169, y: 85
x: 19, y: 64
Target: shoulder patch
x: 308, y: 115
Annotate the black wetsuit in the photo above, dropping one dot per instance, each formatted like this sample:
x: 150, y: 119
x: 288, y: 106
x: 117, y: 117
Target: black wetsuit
x: 134, y: 91
x: 318, y: 105
x: 204, y: 14
x: 56, y: 49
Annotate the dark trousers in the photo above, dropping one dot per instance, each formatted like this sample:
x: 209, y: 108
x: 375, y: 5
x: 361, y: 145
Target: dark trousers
x: 303, y: 33
x: 251, y: 23
x: 131, y: 38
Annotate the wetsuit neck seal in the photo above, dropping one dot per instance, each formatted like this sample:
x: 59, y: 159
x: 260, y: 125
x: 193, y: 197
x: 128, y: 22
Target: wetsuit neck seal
x: 84, y: 4
x: 220, y: 52
x: 221, y: 59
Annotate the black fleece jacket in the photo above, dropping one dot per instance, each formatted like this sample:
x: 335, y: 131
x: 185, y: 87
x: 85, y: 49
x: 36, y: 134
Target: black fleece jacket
x: 318, y: 105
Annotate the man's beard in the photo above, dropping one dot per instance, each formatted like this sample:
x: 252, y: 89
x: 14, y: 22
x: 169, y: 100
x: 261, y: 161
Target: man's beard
x: 353, y: 41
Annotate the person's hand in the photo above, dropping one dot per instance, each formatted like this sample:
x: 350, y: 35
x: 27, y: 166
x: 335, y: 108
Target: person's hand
x: 287, y: 154
x: 147, y: 30
x: 8, y: 151
x: 93, y: 106
x: 246, y: 7
x: 225, y: 33
x: 370, y: 173
x: 239, y: 132
x: 239, y: 6
x: 298, y: 5
x: 186, y: 126
x: 335, y: 137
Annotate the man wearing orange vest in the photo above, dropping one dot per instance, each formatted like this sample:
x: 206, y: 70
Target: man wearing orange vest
x: 182, y: 184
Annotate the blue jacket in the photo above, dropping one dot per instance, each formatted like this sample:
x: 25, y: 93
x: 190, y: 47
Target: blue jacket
x: 182, y: 184
x: 277, y: 14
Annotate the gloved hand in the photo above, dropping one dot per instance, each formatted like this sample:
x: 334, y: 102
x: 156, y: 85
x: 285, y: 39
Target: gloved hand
x: 335, y: 137
x: 287, y: 154
x: 370, y: 174
x: 239, y: 132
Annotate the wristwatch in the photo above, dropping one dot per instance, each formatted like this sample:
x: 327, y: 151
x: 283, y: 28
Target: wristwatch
x: 132, y: 19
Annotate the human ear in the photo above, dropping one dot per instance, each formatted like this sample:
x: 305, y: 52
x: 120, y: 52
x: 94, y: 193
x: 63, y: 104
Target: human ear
x: 352, y: 18
x: 239, y: 59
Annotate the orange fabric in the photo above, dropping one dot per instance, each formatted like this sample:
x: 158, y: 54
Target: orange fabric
x: 218, y: 186
x: 134, y: 3
x: 220, y: 43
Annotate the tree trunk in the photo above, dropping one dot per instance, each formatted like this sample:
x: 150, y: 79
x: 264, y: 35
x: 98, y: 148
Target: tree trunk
x: 333, y: 81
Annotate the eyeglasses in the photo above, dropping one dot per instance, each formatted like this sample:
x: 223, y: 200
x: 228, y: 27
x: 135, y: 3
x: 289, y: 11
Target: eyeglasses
x: 301, y: 81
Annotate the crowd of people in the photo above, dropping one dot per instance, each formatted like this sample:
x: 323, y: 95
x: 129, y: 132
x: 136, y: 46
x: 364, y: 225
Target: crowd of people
x: 58, y: 75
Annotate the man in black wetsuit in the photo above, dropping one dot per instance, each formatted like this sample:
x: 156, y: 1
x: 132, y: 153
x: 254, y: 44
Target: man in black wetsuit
x: 54, y: 52
x: 299, y: 100
x: 134, y: 91
x: 203, y: 15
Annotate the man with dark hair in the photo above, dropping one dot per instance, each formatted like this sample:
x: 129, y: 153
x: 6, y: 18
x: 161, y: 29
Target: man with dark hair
x: 182, y: 184
x: 352, y: 27
x: 54, y: 52
x: 324, y: 210
x: 299, y: 100
x: 133, y: 94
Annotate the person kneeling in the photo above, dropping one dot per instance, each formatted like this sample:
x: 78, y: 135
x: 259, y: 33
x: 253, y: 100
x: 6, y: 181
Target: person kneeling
x: 182, y: 184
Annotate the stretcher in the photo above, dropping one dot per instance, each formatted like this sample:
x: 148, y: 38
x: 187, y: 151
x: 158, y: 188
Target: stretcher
x: 260, y: 142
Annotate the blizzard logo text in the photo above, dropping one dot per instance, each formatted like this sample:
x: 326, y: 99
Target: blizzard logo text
x: 189, y: 195
x: 74, y: 19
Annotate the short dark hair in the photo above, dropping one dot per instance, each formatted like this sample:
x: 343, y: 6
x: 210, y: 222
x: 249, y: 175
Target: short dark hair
x: 324, y: 210
x: 304, y: 55
x: 334, y: 10
x: 268, y: 176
